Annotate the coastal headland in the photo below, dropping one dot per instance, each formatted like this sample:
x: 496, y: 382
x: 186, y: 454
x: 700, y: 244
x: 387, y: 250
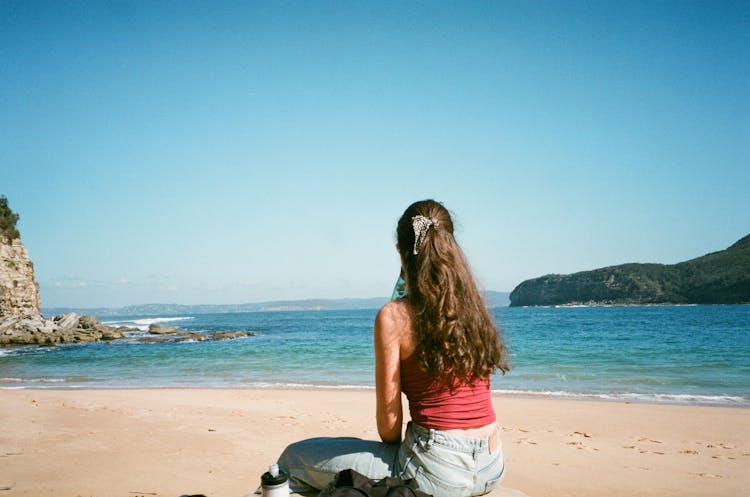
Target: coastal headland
x: 721, y: 277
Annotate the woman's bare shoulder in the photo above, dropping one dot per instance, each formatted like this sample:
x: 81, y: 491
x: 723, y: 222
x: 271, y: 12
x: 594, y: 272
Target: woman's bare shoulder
x: 395, y: 313
x: 393, y: 323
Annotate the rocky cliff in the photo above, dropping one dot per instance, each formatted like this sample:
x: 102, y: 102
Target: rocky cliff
x: 19, y: 292
x: 718, y: 278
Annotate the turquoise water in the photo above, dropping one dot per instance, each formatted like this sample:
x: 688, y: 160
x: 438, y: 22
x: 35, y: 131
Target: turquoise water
x: 675, y: 354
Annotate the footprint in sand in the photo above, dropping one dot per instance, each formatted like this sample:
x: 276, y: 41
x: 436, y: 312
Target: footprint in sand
x: 646, y: 439
x: 709, y: 475
x: 581, y: 446
x: 335, y: 420
x: 525, y: 440
x: 287, y: 420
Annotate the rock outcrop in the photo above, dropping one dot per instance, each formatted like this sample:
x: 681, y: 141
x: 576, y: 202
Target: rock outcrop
x: 21, y: 320
x: 156, y: 329
x: 65, y: 328
x: 161, y: 334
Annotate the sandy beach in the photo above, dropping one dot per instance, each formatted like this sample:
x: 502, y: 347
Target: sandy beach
x: 169, y: 442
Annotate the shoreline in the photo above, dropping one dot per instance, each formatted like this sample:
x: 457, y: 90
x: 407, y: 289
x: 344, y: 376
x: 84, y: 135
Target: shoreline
x: 628, y: 398
x: 578, y: 305
x: 218, y: 441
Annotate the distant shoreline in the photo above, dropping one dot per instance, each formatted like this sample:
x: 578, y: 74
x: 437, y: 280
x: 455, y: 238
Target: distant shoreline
x: 494, y: 299
x: 331, y: 305
x: 602, y: 304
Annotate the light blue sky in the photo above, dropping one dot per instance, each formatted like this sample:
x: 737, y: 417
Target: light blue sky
x: 209, y: 152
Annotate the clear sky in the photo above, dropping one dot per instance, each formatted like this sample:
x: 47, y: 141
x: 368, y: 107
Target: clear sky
x: 214, y: 152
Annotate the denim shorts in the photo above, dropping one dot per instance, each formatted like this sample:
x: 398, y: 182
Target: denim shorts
x: 443, y: 464
x: 448, y: 465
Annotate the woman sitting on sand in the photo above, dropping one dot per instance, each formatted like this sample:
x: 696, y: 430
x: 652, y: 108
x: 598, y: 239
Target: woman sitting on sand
x: 438, y: 344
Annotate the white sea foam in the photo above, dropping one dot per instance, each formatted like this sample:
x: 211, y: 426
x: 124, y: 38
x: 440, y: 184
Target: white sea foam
x: 32, y: 380
x: 727, y: 400
x: 42, y: 383
x: 144, y: 323
x: 305, y: 386
x: 148, y: 321
x: 656, y: 398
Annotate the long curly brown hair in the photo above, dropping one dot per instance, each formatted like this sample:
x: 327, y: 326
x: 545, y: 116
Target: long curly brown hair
x: 456, y: 336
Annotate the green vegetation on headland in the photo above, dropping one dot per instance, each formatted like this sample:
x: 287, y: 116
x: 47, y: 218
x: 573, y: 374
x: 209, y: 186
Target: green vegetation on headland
x: 717, y: 278
x: 8, y: 220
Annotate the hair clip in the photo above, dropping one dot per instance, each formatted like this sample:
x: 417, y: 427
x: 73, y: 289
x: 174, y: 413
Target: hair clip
x: 421, y: 224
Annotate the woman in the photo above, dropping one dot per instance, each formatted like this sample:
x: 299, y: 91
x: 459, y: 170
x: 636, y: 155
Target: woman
x: 438, y: 345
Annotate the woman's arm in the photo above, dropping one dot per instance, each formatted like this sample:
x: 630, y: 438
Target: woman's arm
x: 389, y: 413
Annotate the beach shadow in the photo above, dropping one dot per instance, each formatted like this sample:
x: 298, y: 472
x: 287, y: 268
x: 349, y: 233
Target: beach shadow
x: 506, y: 492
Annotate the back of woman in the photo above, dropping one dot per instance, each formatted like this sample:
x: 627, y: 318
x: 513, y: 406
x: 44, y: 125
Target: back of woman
x: 449, y: 347
x: 439, y: 345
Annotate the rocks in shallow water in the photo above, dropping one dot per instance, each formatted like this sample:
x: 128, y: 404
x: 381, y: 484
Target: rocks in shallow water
x: 159, y: 335
x: 156, y: 329
x: 65, y: 328
x: 74, y: 328
x: 228, y: 335
x: 109, y: 333
x: 123, y: 329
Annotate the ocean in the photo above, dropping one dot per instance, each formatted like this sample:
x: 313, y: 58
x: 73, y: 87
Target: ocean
x: 696, y: 355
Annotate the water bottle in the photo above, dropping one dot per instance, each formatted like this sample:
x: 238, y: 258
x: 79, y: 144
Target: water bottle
x: 274, y: 483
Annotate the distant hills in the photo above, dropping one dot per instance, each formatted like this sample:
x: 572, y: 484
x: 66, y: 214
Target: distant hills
x: 494, y: 299
x: 717, y: 278
x: 181, y: 309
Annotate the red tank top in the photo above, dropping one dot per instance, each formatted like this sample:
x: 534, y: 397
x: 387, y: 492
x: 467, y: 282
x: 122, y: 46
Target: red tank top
x: 432, y: 404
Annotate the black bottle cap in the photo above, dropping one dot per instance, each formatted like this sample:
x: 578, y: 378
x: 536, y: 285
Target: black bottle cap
x: 270, y: 480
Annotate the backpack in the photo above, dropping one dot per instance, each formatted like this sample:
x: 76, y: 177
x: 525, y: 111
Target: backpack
x: 349, y: 483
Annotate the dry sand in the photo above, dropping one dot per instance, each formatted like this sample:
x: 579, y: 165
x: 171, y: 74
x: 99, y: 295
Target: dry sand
x: 169, y: 442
